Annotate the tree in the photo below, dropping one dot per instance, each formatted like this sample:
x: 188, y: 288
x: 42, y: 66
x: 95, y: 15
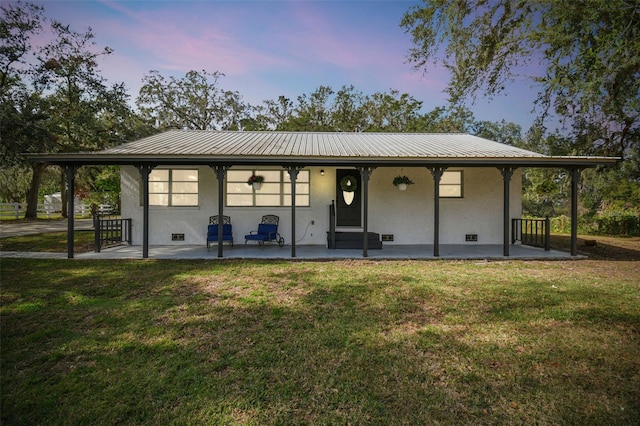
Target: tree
x: 53, y: 98
x: 457, y: 119
x: 347, y: 110
x: 500, y: 131
x: 392, y: 112
x: 193, y: 102
x: 274, y: 114
x: 313, y: 112
x: 588, y: 51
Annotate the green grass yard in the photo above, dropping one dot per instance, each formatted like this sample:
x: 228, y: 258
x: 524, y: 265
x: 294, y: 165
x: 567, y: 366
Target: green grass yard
x: 343, y: 342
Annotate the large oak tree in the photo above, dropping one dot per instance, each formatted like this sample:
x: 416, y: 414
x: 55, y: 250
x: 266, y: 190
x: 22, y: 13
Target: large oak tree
x: 53, y: 97
x: 584, y: 55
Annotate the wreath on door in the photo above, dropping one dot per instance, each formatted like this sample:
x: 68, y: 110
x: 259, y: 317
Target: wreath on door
x: 349, y: 183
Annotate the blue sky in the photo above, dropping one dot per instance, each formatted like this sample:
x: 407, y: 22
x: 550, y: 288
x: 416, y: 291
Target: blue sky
x: 272, y: 48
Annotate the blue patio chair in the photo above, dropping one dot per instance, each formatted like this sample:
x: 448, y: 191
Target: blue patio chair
x: 267, y: 231
x: 212, y: 230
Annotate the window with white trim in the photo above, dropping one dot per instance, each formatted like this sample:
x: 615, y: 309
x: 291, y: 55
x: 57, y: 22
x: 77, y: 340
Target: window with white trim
x: 173, y: 187
x: 275, y: 191
x: 451, y: 184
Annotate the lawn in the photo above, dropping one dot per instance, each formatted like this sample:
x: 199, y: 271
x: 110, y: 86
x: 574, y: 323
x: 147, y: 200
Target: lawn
x: 342, y: 342
x: 55, y: 242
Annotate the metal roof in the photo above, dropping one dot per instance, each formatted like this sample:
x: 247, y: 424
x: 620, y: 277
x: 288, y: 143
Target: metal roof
x: 315, y: 148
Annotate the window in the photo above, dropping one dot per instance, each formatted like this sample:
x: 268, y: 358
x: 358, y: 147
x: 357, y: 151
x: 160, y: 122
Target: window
x: 274, y: 192
x: 173, y: 187
x: 451, y: 184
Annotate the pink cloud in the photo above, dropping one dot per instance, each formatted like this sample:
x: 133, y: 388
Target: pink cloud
x: 183, y: 42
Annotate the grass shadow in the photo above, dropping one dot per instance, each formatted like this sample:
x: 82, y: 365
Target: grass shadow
x: 601, y: 247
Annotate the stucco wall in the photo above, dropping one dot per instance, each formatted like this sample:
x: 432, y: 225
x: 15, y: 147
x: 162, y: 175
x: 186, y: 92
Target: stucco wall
x: 408, y: 215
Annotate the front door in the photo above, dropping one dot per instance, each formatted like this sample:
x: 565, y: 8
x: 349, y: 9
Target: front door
x: 348, y: 203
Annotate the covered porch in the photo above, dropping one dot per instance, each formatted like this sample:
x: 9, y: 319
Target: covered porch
x: 361, y: 152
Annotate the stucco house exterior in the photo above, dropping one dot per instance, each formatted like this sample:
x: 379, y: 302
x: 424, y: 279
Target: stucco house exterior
x: 465, y: 189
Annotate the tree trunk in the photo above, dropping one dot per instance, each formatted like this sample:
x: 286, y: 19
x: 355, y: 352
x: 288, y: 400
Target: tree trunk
x: 32, y: 195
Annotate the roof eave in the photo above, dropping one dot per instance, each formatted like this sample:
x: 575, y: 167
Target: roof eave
x: 102, y: 159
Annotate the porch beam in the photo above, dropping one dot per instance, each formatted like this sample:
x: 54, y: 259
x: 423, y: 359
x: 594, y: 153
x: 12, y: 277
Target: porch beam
x: 436, y: 172
x: 293, y: 175
x: 365, y: 174
x: 575, y: 180
x: 507, y: 173
x: 221, y: 173
x: 145, y: 170
x: 70, y: 172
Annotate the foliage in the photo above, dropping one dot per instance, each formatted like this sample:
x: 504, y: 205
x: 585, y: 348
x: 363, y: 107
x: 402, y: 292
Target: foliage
x: 255, y: 179
x: 349, y: 183
x: 347, y: 110
x: 500, y: 131
x: 274, y: 114
x: 402, y: 180
x: 619, y: 220
x: 193, y: 102
x: 104, y: 186
x: 14, y: 182
x: 53, y: 97
x: 589, y: 71
x: 245, y: 342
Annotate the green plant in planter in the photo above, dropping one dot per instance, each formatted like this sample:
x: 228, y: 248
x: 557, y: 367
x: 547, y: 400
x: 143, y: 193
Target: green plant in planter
x: 255, y: 179
x: 399, y: 180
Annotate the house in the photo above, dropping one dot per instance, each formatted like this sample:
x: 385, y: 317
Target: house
x: 466, y: 189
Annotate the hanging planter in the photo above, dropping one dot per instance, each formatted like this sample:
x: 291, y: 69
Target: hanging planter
x: 255, y: 181
x: 402, y: 182
x: 348, y: 184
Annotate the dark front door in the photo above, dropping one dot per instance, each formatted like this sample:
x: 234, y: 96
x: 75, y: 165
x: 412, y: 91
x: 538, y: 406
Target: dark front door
x: 348, y: 203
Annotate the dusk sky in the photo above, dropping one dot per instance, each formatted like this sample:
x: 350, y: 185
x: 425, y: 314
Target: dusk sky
x: 272, y: 48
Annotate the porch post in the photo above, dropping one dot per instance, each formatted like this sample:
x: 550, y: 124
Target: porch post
x: 221, y: 172
x: 575, y: 179
x: 365, y: 173
x: 436, y: 172
x: 293, y: 175
x: 506, y: 172
x: 145, y: 170
x: 71, y: 177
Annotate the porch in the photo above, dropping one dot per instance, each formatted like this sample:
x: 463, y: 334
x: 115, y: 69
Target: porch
x: 317, y: 252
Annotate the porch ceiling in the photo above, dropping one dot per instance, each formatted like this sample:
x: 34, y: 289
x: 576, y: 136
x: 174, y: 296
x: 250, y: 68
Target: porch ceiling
x: 193, y: 147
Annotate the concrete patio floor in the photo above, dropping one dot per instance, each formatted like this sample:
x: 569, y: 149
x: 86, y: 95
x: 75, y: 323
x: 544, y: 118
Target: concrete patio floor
x: 242, y: 251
